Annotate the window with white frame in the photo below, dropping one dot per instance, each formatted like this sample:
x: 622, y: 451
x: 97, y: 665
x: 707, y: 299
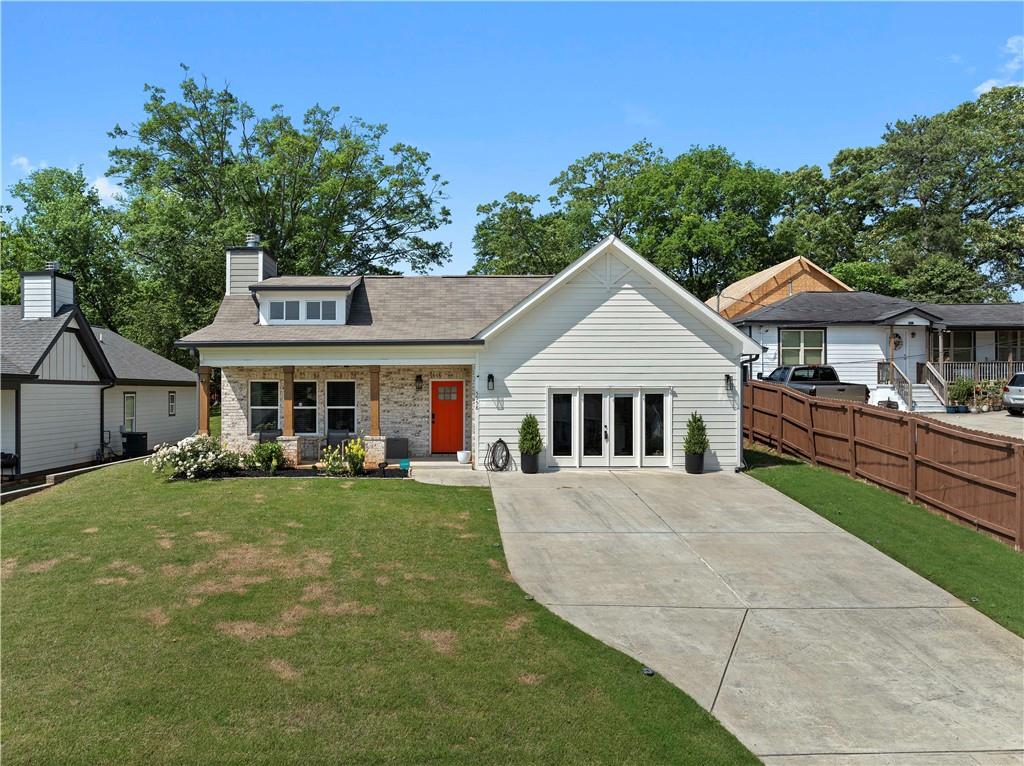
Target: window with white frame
x: 129, y: 411
x: 321, y: 311
x: 957, y: 346
x: 172, y: 404
x: 801, y: 347
x: 263, y: 406
x: 284, y: 311
x: 1010, y: 345
x: 341, y: 406
x: 304, y: 407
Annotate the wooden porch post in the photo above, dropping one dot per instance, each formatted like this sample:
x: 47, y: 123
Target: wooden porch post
x: 204, y: 401
x: 942, y: 355
x: 288, y: 375
x: 374, y: 400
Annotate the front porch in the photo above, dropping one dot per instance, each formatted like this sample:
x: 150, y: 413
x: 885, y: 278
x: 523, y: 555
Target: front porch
x: 400, y: 411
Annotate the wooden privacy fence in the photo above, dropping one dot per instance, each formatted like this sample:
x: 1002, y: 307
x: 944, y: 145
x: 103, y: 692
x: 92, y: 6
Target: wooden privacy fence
x: 973, y: 477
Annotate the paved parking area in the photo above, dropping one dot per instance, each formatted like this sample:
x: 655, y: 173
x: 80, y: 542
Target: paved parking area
x: 1001, y: 423
x: 807, y: 643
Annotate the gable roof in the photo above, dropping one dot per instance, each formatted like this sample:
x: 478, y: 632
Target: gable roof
x: 669, y: 286
x: 826, y: 308
x: 27, y: 341
x: 383, y: 310
x: 742, y: 288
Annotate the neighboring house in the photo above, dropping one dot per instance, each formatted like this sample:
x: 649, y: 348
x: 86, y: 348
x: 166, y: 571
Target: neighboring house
x: 69, y: 388
x: 884, y: 342
x: 797, y: 275
x: 611, y: 355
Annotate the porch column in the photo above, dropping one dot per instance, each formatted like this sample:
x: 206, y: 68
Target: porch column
x: 288, y: 381
x: 942, y: 355
x: 374, y: 400
x: 203, y: 427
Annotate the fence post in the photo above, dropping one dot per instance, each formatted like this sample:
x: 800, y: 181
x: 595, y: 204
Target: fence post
x: 912, y: 460
x: 810, y: 431
x: 1019, y: 454
x: 852, y: 424
x: 778, y: 422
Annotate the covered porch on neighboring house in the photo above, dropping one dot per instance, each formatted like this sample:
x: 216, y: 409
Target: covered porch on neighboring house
x: 977, y: 354
x: 400, y: 411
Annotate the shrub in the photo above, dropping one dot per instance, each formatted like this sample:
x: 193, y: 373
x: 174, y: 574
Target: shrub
x: 961, y: 390
x: 529, y: 436
x: 266, y: 457
x: 333, y: 461
x: 194, y: 457
x: 355, y: 455
x: 696, y: 436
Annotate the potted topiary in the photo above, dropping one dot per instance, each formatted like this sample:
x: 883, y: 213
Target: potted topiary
x: 696, y: 444
x: 530, y: 444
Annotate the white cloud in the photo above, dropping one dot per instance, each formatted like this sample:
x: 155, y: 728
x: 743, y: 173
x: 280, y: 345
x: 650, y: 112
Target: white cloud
x: 21, y: 162
x: 107, y: 189
x: 956, y: 58
x: 1013, y: 49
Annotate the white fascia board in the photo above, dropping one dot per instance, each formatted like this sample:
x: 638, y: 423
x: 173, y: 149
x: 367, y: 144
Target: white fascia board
x: 330, y: 356
x: 668, y: 285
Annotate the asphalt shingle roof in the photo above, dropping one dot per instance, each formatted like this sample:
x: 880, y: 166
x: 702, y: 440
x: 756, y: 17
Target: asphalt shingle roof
x: 829, y: 308
x: 383, y: 310
x: 24, y: 341
x: 303, y: 283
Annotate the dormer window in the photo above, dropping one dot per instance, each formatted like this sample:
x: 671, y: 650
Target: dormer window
x: 321, y: 311
x: 309, y: 311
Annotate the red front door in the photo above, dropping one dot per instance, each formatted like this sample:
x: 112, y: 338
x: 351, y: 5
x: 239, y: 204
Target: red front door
x: 445, y: 415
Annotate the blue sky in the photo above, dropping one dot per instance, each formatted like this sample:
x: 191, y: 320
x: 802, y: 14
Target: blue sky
x: 505, y: 96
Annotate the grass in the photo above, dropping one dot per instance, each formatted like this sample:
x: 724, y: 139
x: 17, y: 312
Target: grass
x: 304, y: 621
x: 985, y: 573
x: 215, y: 422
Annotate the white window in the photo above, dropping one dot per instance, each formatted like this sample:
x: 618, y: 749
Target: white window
x: 321, y: 311
x: 801, y: 347
x: 341, y: 406
x: 1010, y: 343
x: 958, y: 346
x: 129, y: 412
x: 304, y: 407
x: 263, y: 406
x: 284, y: 311
x: 172, y: 404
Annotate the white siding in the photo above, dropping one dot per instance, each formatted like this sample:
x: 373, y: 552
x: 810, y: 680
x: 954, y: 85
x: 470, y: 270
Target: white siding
x: 37, y: 296
x: 8, y: 421
x: 151, y: 413
x: 629, y: 335
x: 67, y: 360
x: 60, y: 425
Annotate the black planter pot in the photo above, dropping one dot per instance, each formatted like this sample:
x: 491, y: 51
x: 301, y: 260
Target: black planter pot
x: 528, y: 463
x: 695, y: 463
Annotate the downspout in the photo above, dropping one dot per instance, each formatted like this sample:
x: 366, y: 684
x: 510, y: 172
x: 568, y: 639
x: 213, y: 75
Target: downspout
x: 744, y: 358
x: 256, y: 300
x: 103, y: 397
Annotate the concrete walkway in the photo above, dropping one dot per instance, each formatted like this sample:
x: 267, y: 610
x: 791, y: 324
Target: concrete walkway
x: 808, y: 644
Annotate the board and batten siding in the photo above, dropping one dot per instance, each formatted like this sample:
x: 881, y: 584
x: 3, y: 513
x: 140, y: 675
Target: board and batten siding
x: 67, y: 360
x: 60, y: 425
x: 151, y: 413
x: 630, y: 335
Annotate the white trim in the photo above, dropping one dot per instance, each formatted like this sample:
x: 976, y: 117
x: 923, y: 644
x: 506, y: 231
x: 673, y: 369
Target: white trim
x: 665, y: 460
x: 573, y: 458
x: 172, y: 404
x: 430, y: 410
x: 354, y: 407
x: 135, y: 411
x: 227, y: 274
x: 669, y: 286
x: 248, y: 401
x: 315, y: 407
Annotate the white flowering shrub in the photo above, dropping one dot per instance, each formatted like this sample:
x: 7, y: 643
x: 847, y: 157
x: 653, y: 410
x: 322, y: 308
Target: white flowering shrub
x: 194, y: 457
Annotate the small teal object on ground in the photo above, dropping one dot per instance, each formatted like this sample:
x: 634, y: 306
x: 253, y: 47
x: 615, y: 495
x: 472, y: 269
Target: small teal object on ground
x: 403, y: 464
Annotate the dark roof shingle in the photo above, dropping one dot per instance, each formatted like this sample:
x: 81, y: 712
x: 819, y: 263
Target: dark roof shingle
x: 383, y: 310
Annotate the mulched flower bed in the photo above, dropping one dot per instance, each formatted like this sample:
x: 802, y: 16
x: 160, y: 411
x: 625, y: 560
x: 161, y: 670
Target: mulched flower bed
x: 306, y: 473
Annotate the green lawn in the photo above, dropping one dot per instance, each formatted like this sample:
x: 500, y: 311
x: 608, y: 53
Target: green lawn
x: 985, y: 573
x: 304, y: 621
x: 215, y: 422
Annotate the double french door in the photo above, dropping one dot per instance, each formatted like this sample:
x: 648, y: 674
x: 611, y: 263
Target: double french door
x: 609, y: 427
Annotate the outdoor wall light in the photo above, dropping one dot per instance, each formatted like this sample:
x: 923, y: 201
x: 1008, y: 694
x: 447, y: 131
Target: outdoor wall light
x: 728, y: 380
x: 490, y: 381
x: 419, y: 382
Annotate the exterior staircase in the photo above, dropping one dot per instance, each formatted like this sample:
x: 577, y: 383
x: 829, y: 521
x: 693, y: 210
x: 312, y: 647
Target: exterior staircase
x: 925, y: 399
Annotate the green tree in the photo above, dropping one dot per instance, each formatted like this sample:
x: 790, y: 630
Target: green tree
x: 870, y: 276
x: 511, y: 238
x: 64, y: 220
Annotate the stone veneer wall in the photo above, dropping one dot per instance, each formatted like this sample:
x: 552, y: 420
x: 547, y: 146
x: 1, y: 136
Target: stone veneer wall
x: 404, y: 411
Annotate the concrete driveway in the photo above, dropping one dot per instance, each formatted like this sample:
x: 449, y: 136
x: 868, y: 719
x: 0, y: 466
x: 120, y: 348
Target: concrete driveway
x: 1000, y: 423
x: 808, y: 644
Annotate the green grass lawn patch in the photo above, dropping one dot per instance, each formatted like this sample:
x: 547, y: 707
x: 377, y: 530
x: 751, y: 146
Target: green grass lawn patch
x: 985, y: 573
x: 215, y: 422
x: 269, y: 621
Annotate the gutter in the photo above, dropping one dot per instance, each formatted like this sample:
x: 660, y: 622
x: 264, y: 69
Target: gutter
x: 102, y: 416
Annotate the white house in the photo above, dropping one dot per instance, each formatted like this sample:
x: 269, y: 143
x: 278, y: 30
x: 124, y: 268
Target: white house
x: 903, y: 349
x: 68, y: 390
x: 611, y: 355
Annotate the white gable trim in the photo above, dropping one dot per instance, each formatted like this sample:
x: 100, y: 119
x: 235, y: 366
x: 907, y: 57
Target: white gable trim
x: 667, y: 285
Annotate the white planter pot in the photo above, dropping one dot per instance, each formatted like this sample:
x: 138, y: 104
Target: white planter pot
x: 464, y: 456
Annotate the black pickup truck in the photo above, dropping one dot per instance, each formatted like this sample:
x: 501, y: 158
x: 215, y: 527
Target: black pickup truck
x: 818, y: 380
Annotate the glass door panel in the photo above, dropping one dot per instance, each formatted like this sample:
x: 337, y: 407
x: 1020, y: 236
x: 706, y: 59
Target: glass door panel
x: 654, y: 430
x: 595, y: 430
x: 561, y: 425
x: 623, y: 431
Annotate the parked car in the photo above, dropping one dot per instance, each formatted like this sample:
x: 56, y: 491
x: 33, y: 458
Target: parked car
x: 1013, y: 395
x: 818, y: 380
